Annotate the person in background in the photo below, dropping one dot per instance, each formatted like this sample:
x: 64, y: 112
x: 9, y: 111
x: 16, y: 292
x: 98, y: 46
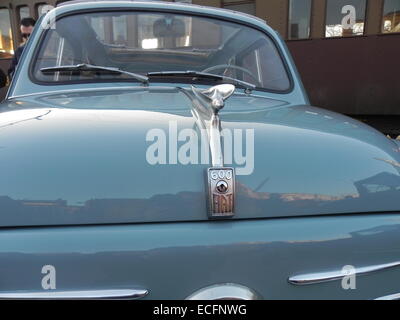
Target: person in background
x: 27, y: 25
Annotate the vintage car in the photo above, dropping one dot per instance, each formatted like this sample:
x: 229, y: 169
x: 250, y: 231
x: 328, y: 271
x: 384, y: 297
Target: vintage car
x: 169, y: 151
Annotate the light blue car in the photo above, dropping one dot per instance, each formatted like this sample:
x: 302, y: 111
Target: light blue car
x: 169, y: 151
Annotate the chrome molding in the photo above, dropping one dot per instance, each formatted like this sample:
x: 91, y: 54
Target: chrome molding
x: 75, y: 295
x: 214, y: 98
x: 60, y: 54
x: 395, y: 296
x: 225, y: 291
x: 206, y: 105
x: 215, y: 142
x: 318, y: 277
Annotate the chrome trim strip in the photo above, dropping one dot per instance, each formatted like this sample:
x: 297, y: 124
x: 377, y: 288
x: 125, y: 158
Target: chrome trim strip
x: 75, y: 295
x: 395, y: 296
x: 318, y: 277
x: 60, y: 54
x: 217, y: 159
x: 225, y: 291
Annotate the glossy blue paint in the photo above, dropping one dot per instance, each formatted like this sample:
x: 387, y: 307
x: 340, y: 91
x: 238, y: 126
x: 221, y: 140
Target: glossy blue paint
x: 75, y: 155
x: 174, y: 260
x: 92, y: 161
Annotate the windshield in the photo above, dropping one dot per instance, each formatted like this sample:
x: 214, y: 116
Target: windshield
x: 144, y: 42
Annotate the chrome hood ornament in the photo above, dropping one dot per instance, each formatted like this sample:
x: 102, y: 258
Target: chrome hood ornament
x: 220, y: 179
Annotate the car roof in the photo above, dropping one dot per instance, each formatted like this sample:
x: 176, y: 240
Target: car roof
x: 161, y: 4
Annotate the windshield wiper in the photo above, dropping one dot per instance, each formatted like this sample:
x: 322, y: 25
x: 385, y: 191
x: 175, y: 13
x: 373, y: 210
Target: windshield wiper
x: 202, y: 75
x: 88, y: 67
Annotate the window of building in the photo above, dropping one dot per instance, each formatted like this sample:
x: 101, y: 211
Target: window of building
x: 391, y: 16
x: 299, y: 19
x: 120, y: 32
x: 240, y: 5
x: 23, y: 12
x: 41, y: 9
x: 6, y: 42
x: 345, y: 18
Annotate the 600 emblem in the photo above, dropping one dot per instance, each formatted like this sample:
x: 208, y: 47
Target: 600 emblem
x: 221, y: 189
x: 221, y: 174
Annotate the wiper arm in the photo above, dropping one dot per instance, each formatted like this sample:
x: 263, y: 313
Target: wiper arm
x: 203, y: 75
x: 88, y: 67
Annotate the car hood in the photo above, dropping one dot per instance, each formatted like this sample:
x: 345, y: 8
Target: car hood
x: 85, y: 158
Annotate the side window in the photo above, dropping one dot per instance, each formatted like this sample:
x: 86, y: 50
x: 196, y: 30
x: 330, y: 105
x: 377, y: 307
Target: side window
x: 265, y: 66
x: 345, y: 18
x: 113, y: 31
x: 57, y: 52
x: 299, y: 19
x: 391, y: 16
x: 23, y: 12
x: 240, y: 5
x: 102, y: 27
x: 39, y: 9
x: 120, y: 35
x: 6, y: 41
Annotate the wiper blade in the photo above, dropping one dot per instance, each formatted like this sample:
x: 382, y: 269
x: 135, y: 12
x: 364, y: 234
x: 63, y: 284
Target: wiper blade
x: 88, y: 67
x: 203, y: 75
